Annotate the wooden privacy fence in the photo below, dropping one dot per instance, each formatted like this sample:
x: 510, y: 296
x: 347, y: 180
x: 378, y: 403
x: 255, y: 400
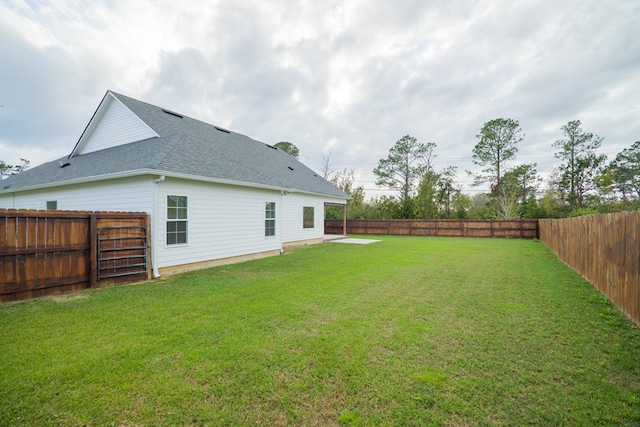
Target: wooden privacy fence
x: 54, y: 252
x: 604, y: 249
x: 523, y: 228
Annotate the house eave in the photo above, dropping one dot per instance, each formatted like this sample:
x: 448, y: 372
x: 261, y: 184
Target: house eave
x: 157, y: 172
x: 74, y: 181
x: 242, y: 184
x: 295, y: 190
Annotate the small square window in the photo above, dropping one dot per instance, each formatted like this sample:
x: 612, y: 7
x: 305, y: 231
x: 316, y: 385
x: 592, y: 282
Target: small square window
x: 52, y: 205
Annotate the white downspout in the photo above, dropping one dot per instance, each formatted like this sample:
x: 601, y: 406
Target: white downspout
x: 154, y: 221
x: 281, y: 216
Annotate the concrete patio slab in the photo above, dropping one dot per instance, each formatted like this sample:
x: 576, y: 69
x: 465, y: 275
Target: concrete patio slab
x: 354, y: 241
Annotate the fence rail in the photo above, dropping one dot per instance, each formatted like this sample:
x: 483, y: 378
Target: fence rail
x: 524, y: 228
x: 605, y: 249
x: 53, y: 252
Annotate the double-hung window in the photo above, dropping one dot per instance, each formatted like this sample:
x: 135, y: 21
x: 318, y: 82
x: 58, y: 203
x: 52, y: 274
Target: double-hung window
x: 176, y: 220
x: 270, y: 219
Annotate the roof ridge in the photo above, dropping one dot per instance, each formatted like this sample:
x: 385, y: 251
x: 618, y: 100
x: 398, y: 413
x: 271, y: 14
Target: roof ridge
x: 158, y: 108
x: 166, y: 149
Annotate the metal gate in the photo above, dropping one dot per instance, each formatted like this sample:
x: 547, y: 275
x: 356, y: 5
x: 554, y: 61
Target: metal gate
x: 122, y: 251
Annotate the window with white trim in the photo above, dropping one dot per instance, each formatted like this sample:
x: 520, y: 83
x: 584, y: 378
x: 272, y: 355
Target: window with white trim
x: 270, y: 219
x: 176, y: 220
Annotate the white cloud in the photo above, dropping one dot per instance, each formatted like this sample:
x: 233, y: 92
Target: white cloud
x: 348, y: 78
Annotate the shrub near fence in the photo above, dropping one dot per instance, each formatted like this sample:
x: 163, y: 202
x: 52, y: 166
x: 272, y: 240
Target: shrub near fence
x: 604, y: 249
x: 525, y: 228
x: 54, y: 252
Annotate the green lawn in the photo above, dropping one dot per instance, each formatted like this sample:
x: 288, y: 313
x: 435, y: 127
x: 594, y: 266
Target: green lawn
x: 408, y: 331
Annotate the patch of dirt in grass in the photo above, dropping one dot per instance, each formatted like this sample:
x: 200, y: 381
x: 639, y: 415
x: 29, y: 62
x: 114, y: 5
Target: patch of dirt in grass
x: 456, y: 420
x: 300, y: 398
x: 67, y: 297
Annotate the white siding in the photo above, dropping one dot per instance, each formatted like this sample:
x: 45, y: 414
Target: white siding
x: 293, y: 217
x: 6, y: 201
x: 223, y: 221
x: 114, y: 125
x: 126, y: 194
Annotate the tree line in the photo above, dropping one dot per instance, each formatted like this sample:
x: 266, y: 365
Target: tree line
x: 7, y: 170
x: 584, y: 183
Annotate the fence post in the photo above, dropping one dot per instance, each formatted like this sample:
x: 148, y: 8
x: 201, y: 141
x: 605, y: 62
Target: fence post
x: 344, y: 220
x: 93, y: 251
x: 147, y: 223
x: 521, y: 228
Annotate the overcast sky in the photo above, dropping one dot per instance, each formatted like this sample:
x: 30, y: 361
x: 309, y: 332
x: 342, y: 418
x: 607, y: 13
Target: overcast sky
x: 345, y: 78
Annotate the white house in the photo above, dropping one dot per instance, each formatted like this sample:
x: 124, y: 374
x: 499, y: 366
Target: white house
x: 214, y: 196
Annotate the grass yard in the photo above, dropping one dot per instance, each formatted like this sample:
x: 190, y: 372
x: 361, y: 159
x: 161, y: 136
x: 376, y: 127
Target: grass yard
x: 408, y: 331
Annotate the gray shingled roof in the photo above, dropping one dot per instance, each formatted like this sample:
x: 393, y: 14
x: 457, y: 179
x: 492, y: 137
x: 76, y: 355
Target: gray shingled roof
x: 185, y: 147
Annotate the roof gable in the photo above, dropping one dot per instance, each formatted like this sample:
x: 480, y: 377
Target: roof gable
x: 112, y: 124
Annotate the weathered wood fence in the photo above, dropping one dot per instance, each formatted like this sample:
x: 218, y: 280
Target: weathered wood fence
x: 524, y: 228
x: 605, y: 249
x: 54, y: 252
